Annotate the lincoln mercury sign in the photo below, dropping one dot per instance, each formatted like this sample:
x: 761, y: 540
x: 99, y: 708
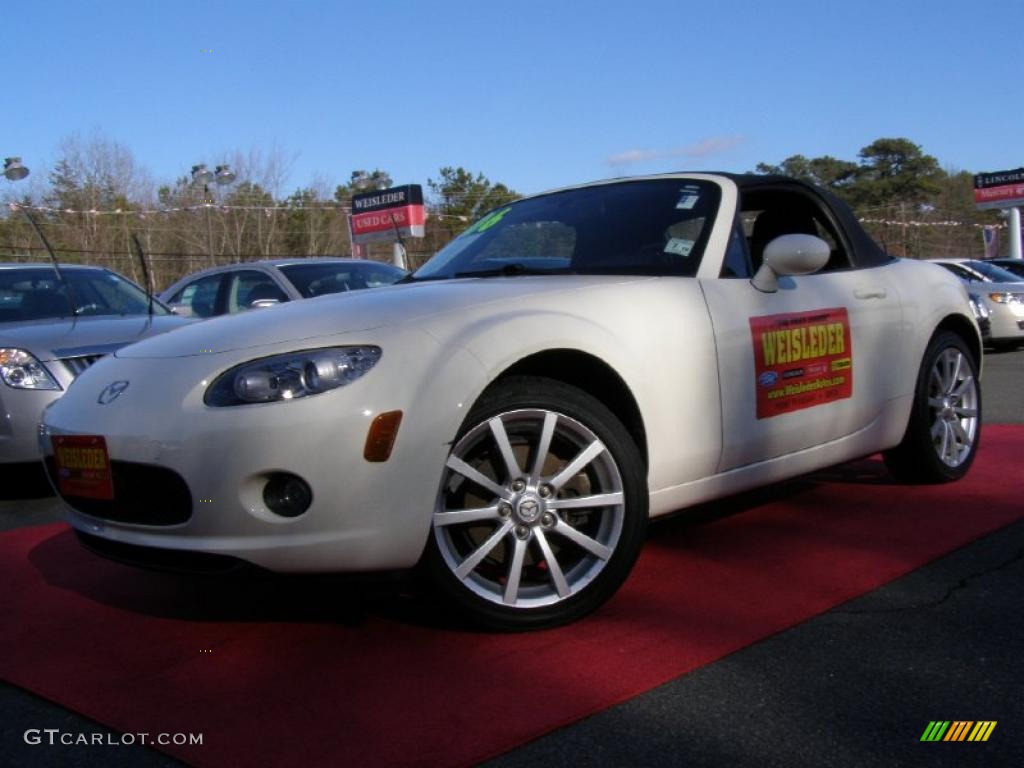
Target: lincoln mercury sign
x: 1001, y: 189
x: 388, y: 214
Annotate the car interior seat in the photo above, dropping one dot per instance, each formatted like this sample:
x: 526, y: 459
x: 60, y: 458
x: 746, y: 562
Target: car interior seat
x: 775, y: 222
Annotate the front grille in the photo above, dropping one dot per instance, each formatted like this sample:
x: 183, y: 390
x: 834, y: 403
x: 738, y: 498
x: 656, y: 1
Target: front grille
x: 143, y: 494
x: 76, y: 365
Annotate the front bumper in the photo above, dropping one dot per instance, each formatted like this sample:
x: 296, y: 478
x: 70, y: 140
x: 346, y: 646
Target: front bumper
x: 364, y: 516
x: 20, y: 411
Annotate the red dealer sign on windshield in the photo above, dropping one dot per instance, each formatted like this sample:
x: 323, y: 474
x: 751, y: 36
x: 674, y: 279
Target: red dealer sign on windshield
x: 801, y: 359
x: 388, y: 214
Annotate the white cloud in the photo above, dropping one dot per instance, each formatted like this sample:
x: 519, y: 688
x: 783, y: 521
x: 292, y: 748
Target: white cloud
x: 703, y: 148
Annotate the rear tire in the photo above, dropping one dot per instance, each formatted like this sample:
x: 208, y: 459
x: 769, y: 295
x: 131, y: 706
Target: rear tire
x: 945, y: 420
x: 542, y: 508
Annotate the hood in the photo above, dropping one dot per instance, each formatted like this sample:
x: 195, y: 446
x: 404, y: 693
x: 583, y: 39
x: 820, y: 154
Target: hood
x: 310, y: 319
x: 62, y: 337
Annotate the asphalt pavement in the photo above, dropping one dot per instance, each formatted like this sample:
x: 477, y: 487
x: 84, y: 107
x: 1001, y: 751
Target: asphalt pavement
x: 856, y: 686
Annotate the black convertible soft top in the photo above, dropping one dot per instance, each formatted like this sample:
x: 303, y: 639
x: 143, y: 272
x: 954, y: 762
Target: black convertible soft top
x: 865, y: 252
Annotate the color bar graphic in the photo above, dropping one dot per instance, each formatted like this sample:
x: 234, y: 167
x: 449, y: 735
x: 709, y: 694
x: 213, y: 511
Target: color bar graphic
x: 935, y: 730
x: 958, y: 730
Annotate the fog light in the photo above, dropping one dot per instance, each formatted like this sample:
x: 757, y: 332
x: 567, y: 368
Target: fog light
x: 287, y: 495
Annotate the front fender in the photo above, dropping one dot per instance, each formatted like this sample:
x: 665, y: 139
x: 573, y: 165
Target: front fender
x: 656, y: 335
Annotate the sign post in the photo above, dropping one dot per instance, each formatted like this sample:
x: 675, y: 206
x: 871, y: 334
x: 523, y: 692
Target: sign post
x: 389, y: 214
x: 1003, y: 189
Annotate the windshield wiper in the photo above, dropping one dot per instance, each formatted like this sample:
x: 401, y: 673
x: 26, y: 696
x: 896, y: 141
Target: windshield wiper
x: 511, y: 270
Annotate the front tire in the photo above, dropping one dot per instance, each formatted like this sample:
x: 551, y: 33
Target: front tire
x: 542, y: 508
x: 945, y: 421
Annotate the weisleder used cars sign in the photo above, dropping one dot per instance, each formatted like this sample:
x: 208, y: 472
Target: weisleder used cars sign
x: 388, y: 214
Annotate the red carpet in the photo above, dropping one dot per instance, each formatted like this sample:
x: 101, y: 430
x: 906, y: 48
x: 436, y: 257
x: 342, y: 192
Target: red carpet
x: 287, y: 672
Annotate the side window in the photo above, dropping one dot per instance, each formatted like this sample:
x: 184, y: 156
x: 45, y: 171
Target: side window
x: 250, y: 286
x: 199, y: 297
x: 768, y: 214
x: 737, y: 260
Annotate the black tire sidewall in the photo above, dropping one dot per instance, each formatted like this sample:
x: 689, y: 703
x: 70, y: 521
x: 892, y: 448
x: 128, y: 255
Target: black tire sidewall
x: 523, y: 392
x: 916, y: 455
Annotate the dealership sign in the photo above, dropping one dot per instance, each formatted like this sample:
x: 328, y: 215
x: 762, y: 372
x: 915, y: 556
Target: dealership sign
x: 388, y: 214
x: 1001, y: 189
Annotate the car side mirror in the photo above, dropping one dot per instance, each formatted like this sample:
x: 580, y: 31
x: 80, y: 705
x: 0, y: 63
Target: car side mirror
x: 264, y: 303
x: 790, y: 255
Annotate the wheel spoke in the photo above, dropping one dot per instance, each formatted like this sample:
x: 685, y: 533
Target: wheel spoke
x: 515, y: 571
x: 457, y: 465
x: 937, y: 428
x: 466, y: 566
x: 965, y: 386
x: 960, y: 433
x: 458, y: 516
x: 947, y: 372
x: 501, y: 438
x: 583, y: 502
x: 592, y: 546
x: 936, y: 402
x: 956, y: 372
x: 543, y: 446
x: 944, y: 448
x: 966, y: 413
x: 557, y: 577
x: 575, y: 466
x: 936, y: 380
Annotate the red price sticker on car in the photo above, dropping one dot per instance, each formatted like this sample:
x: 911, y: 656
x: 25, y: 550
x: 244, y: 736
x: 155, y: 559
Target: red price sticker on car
x: 83, y: 466
x: 801, y: 359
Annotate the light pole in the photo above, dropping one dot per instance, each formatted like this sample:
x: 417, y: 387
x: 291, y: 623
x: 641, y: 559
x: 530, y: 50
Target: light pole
x: 13, y: 169
x: 223, y: 175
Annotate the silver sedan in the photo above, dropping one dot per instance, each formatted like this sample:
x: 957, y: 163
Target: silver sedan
x: 259, y: 284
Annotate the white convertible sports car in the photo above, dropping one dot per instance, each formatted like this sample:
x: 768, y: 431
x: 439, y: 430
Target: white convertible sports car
x: 512, y: 414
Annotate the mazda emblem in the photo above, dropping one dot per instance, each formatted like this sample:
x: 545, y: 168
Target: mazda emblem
x: 111, y: 392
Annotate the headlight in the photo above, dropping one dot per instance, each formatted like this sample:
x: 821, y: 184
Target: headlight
x: 1007, y: 298
x: 21, y: 370
x: 287, y: 377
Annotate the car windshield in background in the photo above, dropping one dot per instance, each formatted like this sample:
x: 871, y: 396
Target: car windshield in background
x: 36, y: 293
x: 653, y: 227
x: 994, y: 273
x: 320, y: 279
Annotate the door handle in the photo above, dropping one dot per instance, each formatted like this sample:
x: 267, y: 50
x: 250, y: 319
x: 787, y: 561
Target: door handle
x: 869, y: 293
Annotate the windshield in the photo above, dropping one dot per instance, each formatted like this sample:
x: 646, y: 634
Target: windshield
x: 994, y: 273
x: 319, y: 279
x: 655, y: 227
x: 36, y: 293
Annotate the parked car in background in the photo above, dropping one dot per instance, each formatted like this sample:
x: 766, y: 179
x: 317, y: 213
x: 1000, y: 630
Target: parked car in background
x: 510, y: 416
x: 1002, y: 293
x: 1016, y: 266
x: 260, y: 284
x: 48, y: 336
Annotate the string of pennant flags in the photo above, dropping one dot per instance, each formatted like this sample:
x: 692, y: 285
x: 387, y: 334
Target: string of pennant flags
x: 268, y: 210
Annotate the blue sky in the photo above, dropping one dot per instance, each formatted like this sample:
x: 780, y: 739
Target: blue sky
x: 533, y: 94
